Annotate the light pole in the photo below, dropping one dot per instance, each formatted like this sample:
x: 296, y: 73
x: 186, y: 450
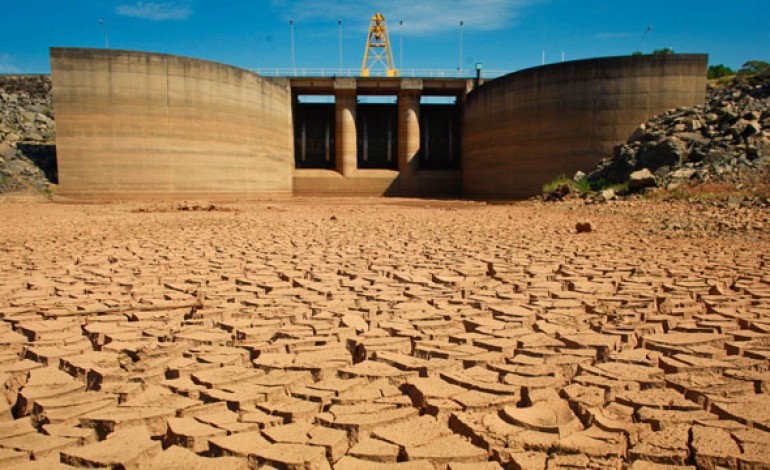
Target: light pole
x: 106, y: 38
x: 293, y: 63
x: 646, y: 31
x: 460, y: 62
x: 339, y: 24
x: 401, y: 46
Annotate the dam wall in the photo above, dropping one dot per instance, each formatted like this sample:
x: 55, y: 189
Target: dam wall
x: 133, y: 124
x: 526, y: 128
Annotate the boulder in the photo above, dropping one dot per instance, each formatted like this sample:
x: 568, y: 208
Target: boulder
x: 668, y: 152
x: 641, y: 179
x: 683, y: 174
x: 583, y: 227
x: 608, y: 195
x: 636, y: 136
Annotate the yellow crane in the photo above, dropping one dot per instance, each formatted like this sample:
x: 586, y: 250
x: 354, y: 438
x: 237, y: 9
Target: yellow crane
x: 378, y: 48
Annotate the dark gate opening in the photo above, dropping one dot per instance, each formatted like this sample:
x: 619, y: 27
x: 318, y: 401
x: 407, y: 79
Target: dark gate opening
x: 314, y: 145
x: 440, y: 137
x: 377, y: 126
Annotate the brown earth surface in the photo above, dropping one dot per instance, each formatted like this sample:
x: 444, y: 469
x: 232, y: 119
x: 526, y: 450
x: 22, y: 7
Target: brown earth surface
x: 383, y: 333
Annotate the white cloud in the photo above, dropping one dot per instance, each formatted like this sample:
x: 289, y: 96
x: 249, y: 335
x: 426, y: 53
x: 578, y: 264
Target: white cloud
x: 155, y: 11
x: 420, y: 17
x: 6, y: 64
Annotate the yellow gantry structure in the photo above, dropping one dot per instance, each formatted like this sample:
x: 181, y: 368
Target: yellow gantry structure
x: 378, y: 50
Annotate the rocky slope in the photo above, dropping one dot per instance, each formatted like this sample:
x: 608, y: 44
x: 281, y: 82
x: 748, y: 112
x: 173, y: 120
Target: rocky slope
x: 726, y: 141
x: 27, y: 133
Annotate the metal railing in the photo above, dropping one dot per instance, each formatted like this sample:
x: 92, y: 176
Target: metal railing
x: 349, y: 72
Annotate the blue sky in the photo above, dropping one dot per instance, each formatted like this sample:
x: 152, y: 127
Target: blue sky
x: 502, y: 34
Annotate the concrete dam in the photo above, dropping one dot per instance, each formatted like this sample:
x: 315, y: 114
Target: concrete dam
x: 142, y: 125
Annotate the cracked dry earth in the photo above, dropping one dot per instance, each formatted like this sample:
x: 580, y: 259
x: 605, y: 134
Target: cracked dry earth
x: 367, y: 334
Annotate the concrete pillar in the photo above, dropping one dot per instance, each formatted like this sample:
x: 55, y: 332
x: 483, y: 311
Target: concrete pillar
x: 346, y: 137
x: 409, y: 126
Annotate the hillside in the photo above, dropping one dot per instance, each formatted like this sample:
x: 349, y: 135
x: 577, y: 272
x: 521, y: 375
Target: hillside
x: 27, y: 134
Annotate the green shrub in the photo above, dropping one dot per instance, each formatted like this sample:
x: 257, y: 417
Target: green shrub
x: 556, y: 182
x: 719, y: 71
x: 582, y: 185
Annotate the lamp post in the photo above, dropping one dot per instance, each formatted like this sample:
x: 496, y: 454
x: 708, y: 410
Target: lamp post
x: 479, y: 66
x: 460, y: 61
x: 339, y: 24
x: 646, y: 32
x: 106, y: 38
x: 293, y: 63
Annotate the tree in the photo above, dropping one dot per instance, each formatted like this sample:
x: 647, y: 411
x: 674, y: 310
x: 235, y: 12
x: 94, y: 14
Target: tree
x: 664, y: 51
x: 755, y: 67
x: 719, y: 71
x: 638, y: 53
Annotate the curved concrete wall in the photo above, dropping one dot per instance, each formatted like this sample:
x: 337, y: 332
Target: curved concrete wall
x: 134, y: 123
x: 522, y: 130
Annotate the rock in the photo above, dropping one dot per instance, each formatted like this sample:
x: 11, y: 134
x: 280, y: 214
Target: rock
x: 641, y: 179
x: 683, y: 174
x: 583, y: 227
x: 579, y: 176
x: 608, y: 195
x: 33, y: 137
x: 637, y: 134
x: 752, y: 116
x: 693, y: 125
x: 752, y: 128
x: 668, y: 152
x: 733, y: 202
x: 694, y: 138
x: 559, y: 193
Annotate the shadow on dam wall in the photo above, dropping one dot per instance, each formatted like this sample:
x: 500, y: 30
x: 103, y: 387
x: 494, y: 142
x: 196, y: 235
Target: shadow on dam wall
x: 135, y: 124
